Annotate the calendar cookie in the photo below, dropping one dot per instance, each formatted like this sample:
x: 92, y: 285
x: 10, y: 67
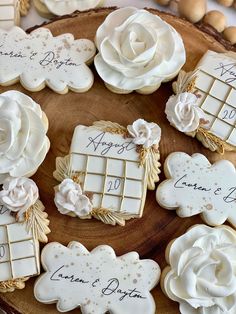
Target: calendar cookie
x: 48, y: 8
x: 200, y: 274
x: 108, y: 170
x: 204, y: 105
x: 23, y: 223
x: 39, y: 59
x: 96, y: 281
x: 9, y: 14
x: 195, y: 186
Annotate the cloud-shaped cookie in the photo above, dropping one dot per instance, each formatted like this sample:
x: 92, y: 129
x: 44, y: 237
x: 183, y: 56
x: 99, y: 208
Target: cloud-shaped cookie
x: 39, y: 59
x: 98, y: 281
x: 194, y: 186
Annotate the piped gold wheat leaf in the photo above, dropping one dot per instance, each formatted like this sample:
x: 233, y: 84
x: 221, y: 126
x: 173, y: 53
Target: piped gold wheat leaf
x: 109, y: 217
x: 149, y: 157
x: 11, y: 285
x: 37, y: 222
x: 63, y: 169
x: 213, y: 142
x: 110, y: 127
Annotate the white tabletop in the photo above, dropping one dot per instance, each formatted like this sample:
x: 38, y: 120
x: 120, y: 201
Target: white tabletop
x: 34, y: 19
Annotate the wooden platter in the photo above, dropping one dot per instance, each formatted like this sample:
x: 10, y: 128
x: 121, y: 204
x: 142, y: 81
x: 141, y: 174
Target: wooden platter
x: 149, y: 235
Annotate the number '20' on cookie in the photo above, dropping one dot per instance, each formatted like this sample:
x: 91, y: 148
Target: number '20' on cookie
x: 108, y: 171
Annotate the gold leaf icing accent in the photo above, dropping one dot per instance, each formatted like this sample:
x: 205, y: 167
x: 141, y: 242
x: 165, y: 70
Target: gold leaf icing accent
x: 11, y: 285
x: 109, y: 217
x: 24, y: 7
x: 36, y: 221
x: 63, y: 169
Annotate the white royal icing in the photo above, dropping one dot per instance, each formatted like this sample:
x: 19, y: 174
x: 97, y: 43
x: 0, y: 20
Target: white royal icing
x: 39, y: 58
x: 23, y: 140
x: 60, y: 7
x: 97, y: 281
x: 70, y: 199
x: 194, y: 186
x: 202, y: 274
x: 97, y: 154
x: 145, y: 133
x: 137, y: 49
x: 183, y: 113
x: 18, y: 194
x: 19, y: 249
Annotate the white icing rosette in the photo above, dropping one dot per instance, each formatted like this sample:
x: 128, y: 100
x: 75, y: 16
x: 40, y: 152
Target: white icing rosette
x: 18, y: 195
x: 145, y: 133
x: 202, y: 272
x: 183, y: 113
x: 137, y: 51
x: 61, y: 7
x: 69, y: 199
x: 23, y: 140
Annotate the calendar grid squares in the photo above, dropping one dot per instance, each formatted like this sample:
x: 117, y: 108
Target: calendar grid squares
x: 123, y: 177
x: 8, y: 244
x: 224, y: 102
x: 123, y: 189
x: 104, y: 182
x: 9, y: 250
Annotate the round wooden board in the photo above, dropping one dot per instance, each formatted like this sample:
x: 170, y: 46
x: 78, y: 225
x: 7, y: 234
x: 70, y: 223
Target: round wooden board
x: 149, y: 235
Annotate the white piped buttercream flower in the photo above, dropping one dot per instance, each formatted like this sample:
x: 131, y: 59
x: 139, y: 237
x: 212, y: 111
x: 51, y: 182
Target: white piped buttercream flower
x: 23, y: 140
x: 137, y: 51
x: 69, y: 199
x: 18, y: 195
x: 145, y: 133
x: 183, y: 113
x: 202, y: 273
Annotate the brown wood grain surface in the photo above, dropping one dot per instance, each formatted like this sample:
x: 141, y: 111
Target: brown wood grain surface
x: 150, y: 234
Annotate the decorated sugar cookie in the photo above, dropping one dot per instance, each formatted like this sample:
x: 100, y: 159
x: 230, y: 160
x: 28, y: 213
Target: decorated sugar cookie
x: 201, y: 272
x: 204, y: 105
x: 108, y: 170
x: 23, y: 223
x: 23, y: 140
x: 38, y: 59
x: 46, y: 8
x: 96, y: 281
x: 195, y: 186
x: 9, y: 13
x: 137, y: 51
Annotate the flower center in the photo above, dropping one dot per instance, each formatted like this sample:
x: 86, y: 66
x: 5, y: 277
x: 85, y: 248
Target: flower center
x: 137, y: 45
